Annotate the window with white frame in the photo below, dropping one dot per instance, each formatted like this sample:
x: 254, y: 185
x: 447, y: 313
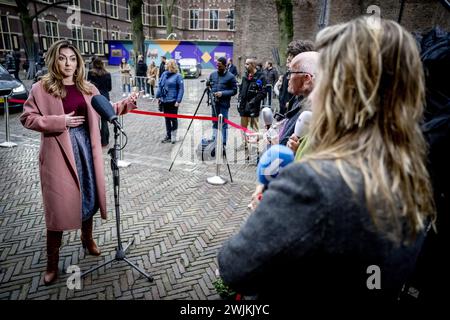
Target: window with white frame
x: 214, y: 19
x: 77, y: 38
x: 5, y: 42
x: 127, y: 9
x: 95, y: 6
x: 194, y: 19
x: 98, y: 40
x: 114, y: 35
x: 146, y: 14
x: 161, y: 18
x: 75, y: 3
x: 176, y: 16
x: 52, y: 32
x: 113, y: 7
x: 230, y: 19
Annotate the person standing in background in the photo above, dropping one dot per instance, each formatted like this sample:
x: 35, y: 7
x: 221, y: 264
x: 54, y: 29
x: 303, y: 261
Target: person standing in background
x: 294, y: 48
x: 125, y: 75
x: 102, y: 80
x: 162, y: 66
x: 223, y: 87
x: 141, y: 73
x: 170, y: 93
x: 271, y: 75
x: 152, y: 76
x: 231, y: 68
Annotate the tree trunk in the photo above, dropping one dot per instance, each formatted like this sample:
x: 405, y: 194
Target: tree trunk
x: 26, y: 21
x: 137, y: 27
x: 285, y: 25
x: 168, y: 10
x: 27, y: 30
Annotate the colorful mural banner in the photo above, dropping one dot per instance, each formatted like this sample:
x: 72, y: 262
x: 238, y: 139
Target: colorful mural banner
x: 205, y: 52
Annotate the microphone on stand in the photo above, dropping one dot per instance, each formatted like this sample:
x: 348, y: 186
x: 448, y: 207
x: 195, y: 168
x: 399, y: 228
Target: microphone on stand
x: 104, y: 108
x: 302, y: 124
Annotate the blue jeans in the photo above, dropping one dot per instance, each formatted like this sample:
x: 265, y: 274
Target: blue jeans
x: 140, y: 83
x: 124, y: 86
x: 215, y: 113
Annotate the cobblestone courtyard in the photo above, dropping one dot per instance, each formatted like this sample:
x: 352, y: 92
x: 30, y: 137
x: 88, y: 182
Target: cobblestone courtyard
x: 177, y: 220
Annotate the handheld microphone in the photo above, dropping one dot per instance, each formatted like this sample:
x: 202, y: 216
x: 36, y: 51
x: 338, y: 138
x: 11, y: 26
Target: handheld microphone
x: 275, y: 158
x: 104, y: 108
x: 267, y: 115
x: 302, y: 124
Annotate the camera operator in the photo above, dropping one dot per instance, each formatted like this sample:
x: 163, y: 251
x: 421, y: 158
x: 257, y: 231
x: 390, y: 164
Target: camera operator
x: 223, y: 86
x: 251, y: 92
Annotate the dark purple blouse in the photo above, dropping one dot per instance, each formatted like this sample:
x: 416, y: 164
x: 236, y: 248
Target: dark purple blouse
x: 74, y: 101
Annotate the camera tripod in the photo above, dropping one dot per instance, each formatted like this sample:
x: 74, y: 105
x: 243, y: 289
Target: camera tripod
x: 120, y: 250
x: 209, y: 102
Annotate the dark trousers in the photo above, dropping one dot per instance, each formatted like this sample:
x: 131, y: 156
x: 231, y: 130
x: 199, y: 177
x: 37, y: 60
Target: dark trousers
x: 150, y: 89
x: 268, y: 98
x: 171, y: 123
x: 104, y: 132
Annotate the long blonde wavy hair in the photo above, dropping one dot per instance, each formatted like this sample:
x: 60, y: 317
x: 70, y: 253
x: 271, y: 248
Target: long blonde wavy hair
x: 52, y: 81
x: 367, y: 105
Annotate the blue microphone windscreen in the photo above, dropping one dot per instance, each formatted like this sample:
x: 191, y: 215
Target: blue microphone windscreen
x: 275, y: 158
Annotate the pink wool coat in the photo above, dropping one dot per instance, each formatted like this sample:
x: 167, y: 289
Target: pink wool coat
x: 59, y: 178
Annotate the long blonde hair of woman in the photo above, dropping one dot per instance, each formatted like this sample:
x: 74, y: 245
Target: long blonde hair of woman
x: 52, y: 81
x: 368, y: 103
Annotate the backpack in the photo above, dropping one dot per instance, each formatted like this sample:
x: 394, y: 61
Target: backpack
x: 206, y: 150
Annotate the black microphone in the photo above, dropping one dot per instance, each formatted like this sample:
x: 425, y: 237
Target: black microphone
x: 104, y: 108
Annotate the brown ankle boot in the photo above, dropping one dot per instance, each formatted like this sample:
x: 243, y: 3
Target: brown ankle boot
x: 53, y: 244
x: 86, y: 238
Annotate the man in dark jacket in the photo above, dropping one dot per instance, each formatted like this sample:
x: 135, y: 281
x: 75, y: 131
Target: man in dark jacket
x: 271, y: 75
x: 301, y: 77
x: 162, y: 66
x: 231, y: 67
x: 223, y: 86
x: 251, y: 93
x: 294, y: 48
x: 141, y: 73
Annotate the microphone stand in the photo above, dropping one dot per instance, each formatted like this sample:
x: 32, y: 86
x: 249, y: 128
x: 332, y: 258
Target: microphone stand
x: 120, y: 250
x: 213, y: 105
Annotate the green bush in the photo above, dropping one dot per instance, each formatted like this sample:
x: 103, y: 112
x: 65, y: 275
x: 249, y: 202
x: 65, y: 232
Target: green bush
x: 223, y: 290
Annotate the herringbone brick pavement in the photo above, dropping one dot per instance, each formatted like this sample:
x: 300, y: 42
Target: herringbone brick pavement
x: 177, y: 220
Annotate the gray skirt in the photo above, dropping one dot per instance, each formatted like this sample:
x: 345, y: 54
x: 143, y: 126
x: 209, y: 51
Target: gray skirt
x: 82, y: 152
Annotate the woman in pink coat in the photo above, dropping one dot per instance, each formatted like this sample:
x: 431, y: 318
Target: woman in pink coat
x: 70, y: 158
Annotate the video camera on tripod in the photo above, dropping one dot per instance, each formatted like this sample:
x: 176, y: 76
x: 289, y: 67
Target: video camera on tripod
x: 212, y: 99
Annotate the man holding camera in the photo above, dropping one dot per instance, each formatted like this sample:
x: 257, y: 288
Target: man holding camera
x: 223, y: 86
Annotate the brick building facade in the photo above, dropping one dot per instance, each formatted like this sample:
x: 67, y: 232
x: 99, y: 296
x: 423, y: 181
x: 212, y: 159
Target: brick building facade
x: 257, y: 27
x: 102, y: 20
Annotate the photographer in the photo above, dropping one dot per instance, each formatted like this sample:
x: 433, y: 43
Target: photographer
x: 251, y: 92
x: 223, y: 86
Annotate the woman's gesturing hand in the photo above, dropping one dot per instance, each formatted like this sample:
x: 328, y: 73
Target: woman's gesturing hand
x: 134, y: 96
x: 74, y: 121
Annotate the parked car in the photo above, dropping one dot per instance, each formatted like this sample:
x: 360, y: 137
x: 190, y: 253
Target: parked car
x: 190, y: 68
x: 19, y: 93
